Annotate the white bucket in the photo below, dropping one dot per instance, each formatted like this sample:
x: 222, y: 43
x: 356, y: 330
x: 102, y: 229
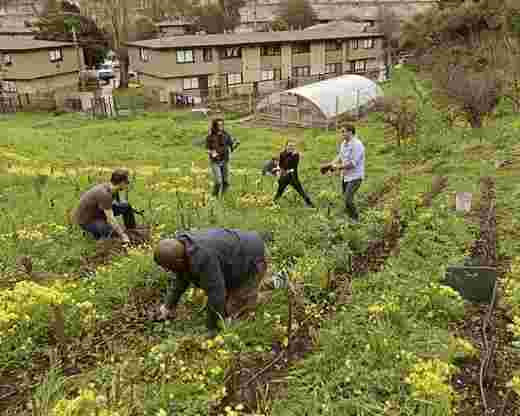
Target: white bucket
x: 463, y: 201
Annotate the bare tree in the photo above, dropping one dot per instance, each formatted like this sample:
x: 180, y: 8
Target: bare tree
x: 399, y: 115
x: 476, y: 94
x: 390, y: 26
x: 219, y: 17
x: 297, y: 14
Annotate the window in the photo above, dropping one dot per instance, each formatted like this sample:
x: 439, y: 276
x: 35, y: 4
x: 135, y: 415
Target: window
x: 234, y: 52
x: 268, y: 75
x: 55, y: 55
x: 354, y: 43
x: 190, y: 83
x: 334, y: 45
x: 8, y: 86
x: 358, y: 66
x: 301, y: 48
x: 270, y: 51
x: 185, y: 56
x: 6, y: 59
x: 143, y: 4
x: 144, y: 54
x: 207, y: 54
x: 301, y: 71
x: 333, y: 68
x: 233, y: 79
x: 368, y: 43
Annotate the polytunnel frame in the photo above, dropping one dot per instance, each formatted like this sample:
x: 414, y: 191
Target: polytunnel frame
x: 316, y: 106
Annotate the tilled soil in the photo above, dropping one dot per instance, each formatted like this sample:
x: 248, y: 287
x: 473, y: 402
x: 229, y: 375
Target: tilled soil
x: 256, y: 378
x: 82, y: 354
x: 482, y: 382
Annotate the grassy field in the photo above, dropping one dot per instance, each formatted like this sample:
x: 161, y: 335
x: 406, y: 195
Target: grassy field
x: 376, y: 342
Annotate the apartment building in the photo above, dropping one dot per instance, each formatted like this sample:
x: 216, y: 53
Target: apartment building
x: 196, y: 64
x: 30, y: 65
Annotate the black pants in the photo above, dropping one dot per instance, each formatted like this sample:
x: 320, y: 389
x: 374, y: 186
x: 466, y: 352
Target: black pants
x: 349, y: 190
x: 291, y: 179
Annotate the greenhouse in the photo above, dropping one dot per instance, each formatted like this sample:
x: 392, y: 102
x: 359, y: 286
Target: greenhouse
x: 320, y: 103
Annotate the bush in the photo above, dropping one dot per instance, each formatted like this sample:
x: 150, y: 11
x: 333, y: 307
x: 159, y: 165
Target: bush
x: 399, y: 115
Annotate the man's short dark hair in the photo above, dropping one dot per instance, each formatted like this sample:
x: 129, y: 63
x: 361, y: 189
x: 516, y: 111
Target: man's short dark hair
x: 119, y: 176
x: 214, y: 125
x: 348, y: 127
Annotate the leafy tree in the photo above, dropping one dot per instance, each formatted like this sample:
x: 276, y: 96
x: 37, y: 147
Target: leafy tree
x: 279, y: 25
x: 476, y: 94
x: 57, y: 23
x: 471, y: 53
x: 220, y: 17
x: 120, y: 20
x: 297, y: 14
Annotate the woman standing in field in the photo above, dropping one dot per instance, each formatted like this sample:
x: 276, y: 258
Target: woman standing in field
x: 288, y: 166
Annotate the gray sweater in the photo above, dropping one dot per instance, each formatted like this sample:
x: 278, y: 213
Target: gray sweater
x: 220, y: 259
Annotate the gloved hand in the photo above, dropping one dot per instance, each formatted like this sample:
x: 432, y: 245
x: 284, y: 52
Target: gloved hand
x: 326, y: 168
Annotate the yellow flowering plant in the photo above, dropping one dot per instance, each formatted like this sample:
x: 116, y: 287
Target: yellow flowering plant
x: 514, y: 384
x: 461, y: 349
x: 429, y: 381
x: 88, y: 403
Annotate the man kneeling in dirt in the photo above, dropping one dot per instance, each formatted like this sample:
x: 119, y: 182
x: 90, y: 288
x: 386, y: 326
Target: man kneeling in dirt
x: 228, y: 265
x: 99, y: 206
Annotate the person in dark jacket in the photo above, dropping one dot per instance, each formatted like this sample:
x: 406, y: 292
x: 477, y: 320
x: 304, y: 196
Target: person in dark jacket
x: 220, y: 144
x: 227, y: 264
x: 288, y: 163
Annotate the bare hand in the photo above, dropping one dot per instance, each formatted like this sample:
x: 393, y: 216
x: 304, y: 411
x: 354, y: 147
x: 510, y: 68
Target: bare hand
x: 125, y: 238
x: 165, y: 313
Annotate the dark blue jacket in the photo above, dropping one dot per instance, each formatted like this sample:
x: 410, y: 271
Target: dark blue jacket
x: 219, y: 259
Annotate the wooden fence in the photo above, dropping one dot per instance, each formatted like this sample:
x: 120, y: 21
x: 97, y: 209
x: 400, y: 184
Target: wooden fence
x: 12, y: 103
x: 106, y: 106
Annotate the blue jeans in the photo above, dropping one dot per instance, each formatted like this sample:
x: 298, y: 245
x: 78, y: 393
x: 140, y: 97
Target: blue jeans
x: 101, y: 229
x: 220, y: 176
x: 349, y: 189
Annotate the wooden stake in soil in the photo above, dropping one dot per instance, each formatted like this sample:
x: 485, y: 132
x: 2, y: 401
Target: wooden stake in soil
x: 58, y: 327
x: 289, y: 323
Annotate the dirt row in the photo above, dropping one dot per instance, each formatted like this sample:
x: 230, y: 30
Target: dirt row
x: 258, y: 378
x: 482, y: 381
x: 249, y: 374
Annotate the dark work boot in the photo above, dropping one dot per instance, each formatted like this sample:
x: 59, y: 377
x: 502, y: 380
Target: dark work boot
x: 216, y: 190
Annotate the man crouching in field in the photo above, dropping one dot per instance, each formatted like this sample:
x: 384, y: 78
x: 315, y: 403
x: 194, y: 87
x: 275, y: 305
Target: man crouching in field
x: 228, y: 265
x: 99, y: 206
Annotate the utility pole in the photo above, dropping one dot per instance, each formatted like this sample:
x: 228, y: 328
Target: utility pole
x: 254, y: 15
x: 80, y: 61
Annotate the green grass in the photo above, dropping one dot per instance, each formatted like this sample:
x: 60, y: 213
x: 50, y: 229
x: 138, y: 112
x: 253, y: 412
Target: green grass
x: 364, y: 354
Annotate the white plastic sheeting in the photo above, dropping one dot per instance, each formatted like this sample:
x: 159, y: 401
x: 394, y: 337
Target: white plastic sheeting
x: 333, y: 96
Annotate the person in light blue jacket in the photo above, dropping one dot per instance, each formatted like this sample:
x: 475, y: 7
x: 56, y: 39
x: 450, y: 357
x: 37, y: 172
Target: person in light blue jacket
x: 351, y: 162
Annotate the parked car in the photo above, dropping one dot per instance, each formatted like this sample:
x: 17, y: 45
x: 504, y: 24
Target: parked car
x: 105, y: 72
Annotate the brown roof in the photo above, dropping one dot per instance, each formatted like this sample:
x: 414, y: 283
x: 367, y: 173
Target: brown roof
x: 16, y: 30
x: 187, y: 41
x: 345, y: 25
x: 26, y: 44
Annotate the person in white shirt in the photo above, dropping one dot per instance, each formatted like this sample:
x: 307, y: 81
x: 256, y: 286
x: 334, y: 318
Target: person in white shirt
x: 351, y: 162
